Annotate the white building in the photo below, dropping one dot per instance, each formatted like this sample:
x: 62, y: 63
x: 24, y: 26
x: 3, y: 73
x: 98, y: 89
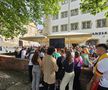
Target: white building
x: 71, y: 19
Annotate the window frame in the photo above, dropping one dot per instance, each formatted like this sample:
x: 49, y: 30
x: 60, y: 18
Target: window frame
x: 55, y: 28
x: 75, y: 26
x: 88, y: 24
x: 64, y: 27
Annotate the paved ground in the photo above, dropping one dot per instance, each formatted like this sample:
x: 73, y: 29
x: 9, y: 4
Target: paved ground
x: 14, y: 80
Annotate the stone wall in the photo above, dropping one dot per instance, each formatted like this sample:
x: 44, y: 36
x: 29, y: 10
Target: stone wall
x: 12, y: 63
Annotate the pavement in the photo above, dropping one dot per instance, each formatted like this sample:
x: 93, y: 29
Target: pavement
x: 14, y: 80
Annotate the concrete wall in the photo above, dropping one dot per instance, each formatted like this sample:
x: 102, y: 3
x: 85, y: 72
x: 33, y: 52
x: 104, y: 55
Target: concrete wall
x: 11, y: 63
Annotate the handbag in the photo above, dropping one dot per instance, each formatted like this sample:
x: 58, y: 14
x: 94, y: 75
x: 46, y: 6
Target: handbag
x: 94, y: 85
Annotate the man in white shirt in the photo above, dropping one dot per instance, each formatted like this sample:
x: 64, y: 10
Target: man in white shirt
x: 23, y: 53
x: 101, y: 69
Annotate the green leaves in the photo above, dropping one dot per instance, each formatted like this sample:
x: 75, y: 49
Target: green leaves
x: 94, y: 6
x: 14, y: 14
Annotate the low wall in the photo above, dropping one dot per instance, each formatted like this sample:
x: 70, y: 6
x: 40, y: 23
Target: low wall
x: 85, y: 77
x: 12, y: 63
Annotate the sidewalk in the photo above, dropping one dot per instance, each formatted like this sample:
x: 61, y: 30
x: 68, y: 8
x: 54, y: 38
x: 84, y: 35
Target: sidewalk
x: 10, y: 80
x: 15, y: 80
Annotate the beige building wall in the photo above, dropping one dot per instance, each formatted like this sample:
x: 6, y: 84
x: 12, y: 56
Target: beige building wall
x: 31, y: 31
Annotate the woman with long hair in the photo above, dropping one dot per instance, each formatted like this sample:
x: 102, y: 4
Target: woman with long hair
x: 78, y: 61
x: 69, y: 72
x: 36, y: 71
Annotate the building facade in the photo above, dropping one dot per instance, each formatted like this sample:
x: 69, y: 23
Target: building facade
x: 31, y: 31
x: 16, y: 42
x: 71, y: 19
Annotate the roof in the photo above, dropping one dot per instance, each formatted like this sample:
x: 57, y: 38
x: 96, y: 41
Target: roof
x: 68, y: 34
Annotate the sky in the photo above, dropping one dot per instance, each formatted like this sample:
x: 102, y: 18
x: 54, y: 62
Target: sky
x: 40, y: 27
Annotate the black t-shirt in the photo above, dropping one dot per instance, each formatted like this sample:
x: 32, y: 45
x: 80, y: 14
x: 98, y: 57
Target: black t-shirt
x: 68, y: 67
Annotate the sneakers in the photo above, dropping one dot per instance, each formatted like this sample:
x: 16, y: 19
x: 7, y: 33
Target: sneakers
x: 40, y: 85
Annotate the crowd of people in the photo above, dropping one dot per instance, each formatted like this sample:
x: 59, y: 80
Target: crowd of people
x: 61, y: 68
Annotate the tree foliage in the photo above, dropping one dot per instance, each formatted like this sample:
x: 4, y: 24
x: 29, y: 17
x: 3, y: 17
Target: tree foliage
x: 95, y: 6
x: 14, y: 14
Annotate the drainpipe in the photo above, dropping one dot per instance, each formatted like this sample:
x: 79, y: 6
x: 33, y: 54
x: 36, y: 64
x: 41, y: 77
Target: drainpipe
x: 68, y: 25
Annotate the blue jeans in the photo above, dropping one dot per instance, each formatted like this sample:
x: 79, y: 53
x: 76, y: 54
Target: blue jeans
x: 36, y: 72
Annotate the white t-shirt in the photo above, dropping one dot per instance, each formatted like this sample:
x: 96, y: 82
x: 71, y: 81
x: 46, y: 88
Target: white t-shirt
x: 41, y: 54
x: 23, y: 54
x: 102, y: 67
x: 73, y: 54
x: 30, y: 59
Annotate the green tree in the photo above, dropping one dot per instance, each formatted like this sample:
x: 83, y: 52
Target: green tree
x: 14, y: 14
x: 95, y: 6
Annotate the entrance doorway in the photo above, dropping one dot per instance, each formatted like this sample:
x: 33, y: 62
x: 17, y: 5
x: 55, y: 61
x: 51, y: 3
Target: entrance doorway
x: 92, y: 42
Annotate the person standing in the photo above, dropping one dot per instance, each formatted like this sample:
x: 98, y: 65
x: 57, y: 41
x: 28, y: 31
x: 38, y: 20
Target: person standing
x: 49, y: 67
x: 36, y: 71
x: 100, y: 78
x: 78, y: 61
x: 23, y: 53
x: 61, y: 71
x: 69, y: 72
x: 17, y: 52
x: 56, y: 54
x: 86, y: 60
x: 30, y: 64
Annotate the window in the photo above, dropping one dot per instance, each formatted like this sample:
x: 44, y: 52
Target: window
x: 86, y: 25
x: 64, y: 14
x: 99, y: 33
x: 64, y: 2
x: 105, y: 32
x: 74, y: 12
x: 74, y: 26
x: 55, y: 29
x: 86, y: 12
x: 96, y: 33
x: 101, y: 23
x: 0, y: 48
x: 64, y: 27
x: 93, y: 33
x: 55, y: 17
x: 102, y: 33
